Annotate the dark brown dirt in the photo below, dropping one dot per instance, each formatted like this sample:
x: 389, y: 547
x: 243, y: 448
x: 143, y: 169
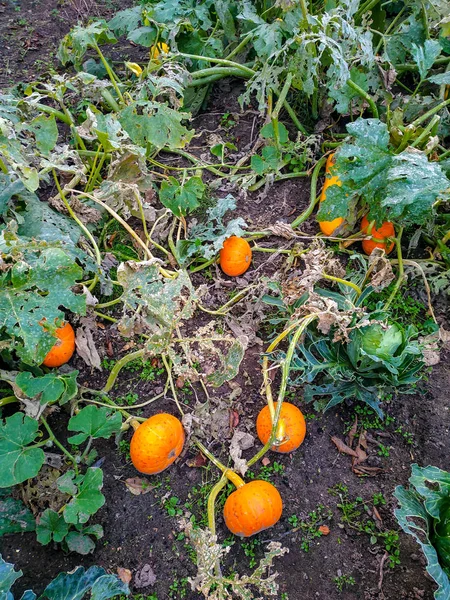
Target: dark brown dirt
x: 138, y: 529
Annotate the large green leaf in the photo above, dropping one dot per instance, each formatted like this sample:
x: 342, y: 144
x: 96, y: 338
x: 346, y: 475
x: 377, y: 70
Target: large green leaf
x: 75, y: 44
x: 393, y: 187
x: 51, y: 526
x: 18, y: 460
x: 419, y: 508
x: 87, y: 498
x: 155, y: 124
x: 15, y: 517
x: 45, y: 132
x: 95, y: 422
x: 182, y: 198
x: 67, y: 586
x: 425, y: 56
x: 40, y: 282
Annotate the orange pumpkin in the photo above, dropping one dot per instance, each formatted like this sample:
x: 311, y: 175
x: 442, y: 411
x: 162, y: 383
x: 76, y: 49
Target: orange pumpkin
x: 329, y: 227
x: 255, y: 506
x: 294, y: 424
x: 156, y: 443
x: 64, y: 348
x: 385, y: 231
x: 235, y: 256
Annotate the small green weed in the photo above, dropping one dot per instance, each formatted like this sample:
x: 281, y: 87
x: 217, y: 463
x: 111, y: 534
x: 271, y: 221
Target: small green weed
x: 250, y: 548
x: 355, y: 515
x: 309, y: 528
x: 172, y: 508
x: 178, y: 588
x: 342, y: 581
x: 227, y: 121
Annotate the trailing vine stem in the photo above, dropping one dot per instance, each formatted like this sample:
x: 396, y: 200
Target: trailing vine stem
x: 235, y: 479
x: 401, y: 270
x: 59, y: 445
x: 313, y: 198
x: 211, y: 510
x: 285, y: 367
x: 84, y: 229
x: 118, y: 366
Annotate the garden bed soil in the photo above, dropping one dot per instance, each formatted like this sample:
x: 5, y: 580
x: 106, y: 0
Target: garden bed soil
x: 141, y: 535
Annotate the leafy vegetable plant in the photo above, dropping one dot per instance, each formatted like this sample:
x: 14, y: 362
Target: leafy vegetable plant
x: 424, y: 513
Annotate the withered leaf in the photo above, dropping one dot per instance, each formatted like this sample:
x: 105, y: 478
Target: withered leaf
x: 352, y: 432
x: 324, y: 529
x: 138, y: 486
x: 342, y: 447
x: 124, y: 574
x: 198, y: 461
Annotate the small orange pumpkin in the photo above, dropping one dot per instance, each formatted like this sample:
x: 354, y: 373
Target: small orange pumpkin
x: 64, y: 348
x: 385, y: 231
x: 329, y: 227
x: 235, y: 256
x: 255, y: 506
x: 294, y: 424
x: 157, y: 443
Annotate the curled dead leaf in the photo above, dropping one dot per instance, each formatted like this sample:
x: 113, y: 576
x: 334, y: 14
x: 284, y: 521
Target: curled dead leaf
x: 198, y: 461
x: 138, y: 486
x: 324, y: 529
x: 124, y: 574
x: 343, y: 448
x: 265, y: 461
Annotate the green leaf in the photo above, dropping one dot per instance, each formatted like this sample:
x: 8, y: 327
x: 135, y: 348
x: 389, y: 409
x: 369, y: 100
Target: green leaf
x: 267, y: 132
x: 8, y: 189
x: 75, y: 585
x: 425, y: 56
x: 226, y: 18
x: 144, y: 36
x: 268, y: 161
x: 18, y: 460
x: 15, y: 517
x: 126, y: 20
x: 75, y: 44
x: 51, y: 526
x: 419, y: 508
x: 206, y: 239
x: 95, y: 422
x: 88, y: 498
x: 66, y: 483
x: 394, y: 187
x: 182, y: 198
x: 45, y: 132
x: 441, y: 78
x: 344, y: 95
x: 77, y: 542
x: 7, y: 578
x: 42, y: 281
x: 49, y: 388
x: 155, y: 124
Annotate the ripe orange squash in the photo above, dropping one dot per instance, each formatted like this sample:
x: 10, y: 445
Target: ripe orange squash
x: 294, y: 424
x: 385, y: 231
x: 64, y: 348
x: 329, y: 227
x: 255, y: 506
x: 157, y: 443
x: 235, y: 256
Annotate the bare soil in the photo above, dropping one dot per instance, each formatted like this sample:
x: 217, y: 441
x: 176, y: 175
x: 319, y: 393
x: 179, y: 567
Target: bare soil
x: 138, y: 529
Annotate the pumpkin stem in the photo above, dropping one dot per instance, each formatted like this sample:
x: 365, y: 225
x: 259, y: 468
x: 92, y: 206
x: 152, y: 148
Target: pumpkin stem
x: 134, y: 424
x: 228, y: 473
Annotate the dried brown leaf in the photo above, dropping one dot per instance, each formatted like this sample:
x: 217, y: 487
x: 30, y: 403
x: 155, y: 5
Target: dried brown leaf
x: 124, y: 574
x: 85, y: 343
x: 198, y: 461
x: 381, y: 269
x: 240, y: 441
x: 352, y: 432
x: 138, y: 486
x: 324, y: 529
x: 343, y: 448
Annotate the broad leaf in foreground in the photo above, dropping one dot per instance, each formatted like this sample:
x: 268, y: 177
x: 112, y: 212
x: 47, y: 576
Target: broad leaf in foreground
x: 15, y: 517
x: 38, y: 283
x: 394, y: 187
x: 422, y: 508
x: 95, y: 422
x: 51, y: 526
x: 19, y: 459
x: 87, y: 497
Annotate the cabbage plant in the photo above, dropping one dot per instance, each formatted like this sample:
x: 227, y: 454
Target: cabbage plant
x: 424, y: 513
